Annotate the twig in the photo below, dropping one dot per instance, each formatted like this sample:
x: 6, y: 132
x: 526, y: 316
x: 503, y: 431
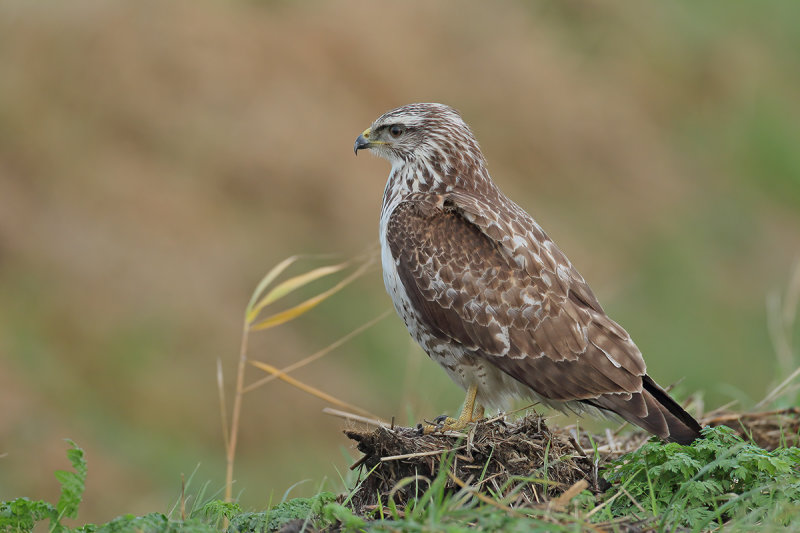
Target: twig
x: 321, y: 353
x: 728, y: 417
x: 309, y: 389
x: 359, y: 462
x: 356, y: 418
x: 633, y: 500
x: 777, y: 390
x: 721, y: 409
x: 501, y: 416
x: 610, y: 437
x: 420, y: 454
x: 487, y: 479
x: 565, y: 497
x: 596, y: 509
x: 576, y: 446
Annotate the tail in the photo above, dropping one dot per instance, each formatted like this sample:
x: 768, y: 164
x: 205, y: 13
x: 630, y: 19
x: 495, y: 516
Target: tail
x: 654, y: 410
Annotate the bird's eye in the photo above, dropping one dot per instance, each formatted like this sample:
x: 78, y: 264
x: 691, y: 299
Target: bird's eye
x: 396, y: 131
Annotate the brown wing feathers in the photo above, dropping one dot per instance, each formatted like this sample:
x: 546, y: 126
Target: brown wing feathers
x: 554, y: 337
x: 653, y: 410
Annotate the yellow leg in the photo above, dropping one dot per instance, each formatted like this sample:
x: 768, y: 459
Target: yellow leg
x: 471, y: 412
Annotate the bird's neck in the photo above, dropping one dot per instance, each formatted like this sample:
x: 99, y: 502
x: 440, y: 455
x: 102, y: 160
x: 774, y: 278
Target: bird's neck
x: 436, y: 178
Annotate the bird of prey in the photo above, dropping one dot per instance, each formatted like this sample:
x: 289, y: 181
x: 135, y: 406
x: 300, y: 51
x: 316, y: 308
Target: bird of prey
x: 488, y: 295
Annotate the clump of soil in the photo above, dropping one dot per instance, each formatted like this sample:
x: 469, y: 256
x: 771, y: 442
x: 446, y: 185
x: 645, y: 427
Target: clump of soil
x: 522, y: 458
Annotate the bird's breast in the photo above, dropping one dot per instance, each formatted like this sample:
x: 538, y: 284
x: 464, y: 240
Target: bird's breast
x: 391, y: 278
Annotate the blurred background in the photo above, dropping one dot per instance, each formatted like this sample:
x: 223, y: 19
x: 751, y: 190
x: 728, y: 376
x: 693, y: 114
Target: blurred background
x: 157, y: 158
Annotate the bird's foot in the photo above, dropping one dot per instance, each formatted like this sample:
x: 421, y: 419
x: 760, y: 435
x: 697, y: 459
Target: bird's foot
x: 443, y: 423
x: 469, y: 415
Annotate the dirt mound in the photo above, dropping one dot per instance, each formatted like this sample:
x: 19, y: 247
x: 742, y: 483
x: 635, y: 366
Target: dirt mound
x: 523, y: 461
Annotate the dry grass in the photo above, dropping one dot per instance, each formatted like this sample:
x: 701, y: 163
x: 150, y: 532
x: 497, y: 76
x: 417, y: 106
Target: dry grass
x: 768, y: 429
x: 266, y: 295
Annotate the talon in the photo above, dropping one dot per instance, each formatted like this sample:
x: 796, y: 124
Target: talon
x: 472, y: 412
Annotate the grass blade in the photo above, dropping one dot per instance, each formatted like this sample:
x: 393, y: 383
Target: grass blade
x: 293, y: 312
x: 222, y: 407
x: 291, y: 285
x: 268, y: 278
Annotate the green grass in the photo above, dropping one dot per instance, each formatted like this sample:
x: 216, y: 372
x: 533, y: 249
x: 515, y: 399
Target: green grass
x: 718, y: 481
x: 22, y: 514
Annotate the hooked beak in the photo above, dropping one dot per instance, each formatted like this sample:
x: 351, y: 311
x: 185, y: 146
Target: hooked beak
x: 363, y: 141
x: 360, y: 144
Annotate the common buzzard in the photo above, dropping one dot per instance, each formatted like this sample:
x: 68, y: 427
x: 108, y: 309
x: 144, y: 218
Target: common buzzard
x: 488, y: 295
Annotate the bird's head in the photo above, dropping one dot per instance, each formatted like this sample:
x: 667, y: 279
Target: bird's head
x: 432, y: 132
